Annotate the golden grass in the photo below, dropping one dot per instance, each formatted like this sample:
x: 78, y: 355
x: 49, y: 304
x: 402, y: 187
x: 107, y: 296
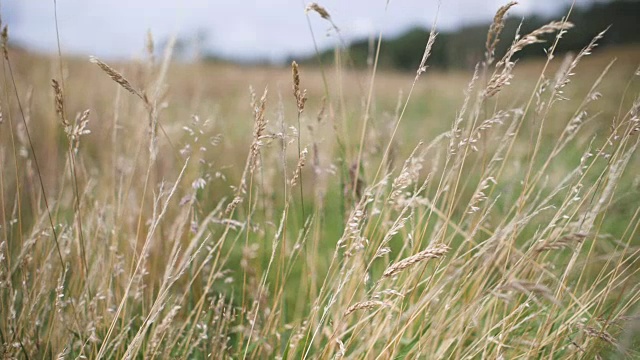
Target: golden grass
x: 484, y: 214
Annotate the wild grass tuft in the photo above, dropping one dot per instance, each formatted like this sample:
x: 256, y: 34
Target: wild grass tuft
x: 510, y: 230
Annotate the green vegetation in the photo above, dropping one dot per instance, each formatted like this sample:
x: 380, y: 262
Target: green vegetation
x: 150, y: 210
x: 464, y: 47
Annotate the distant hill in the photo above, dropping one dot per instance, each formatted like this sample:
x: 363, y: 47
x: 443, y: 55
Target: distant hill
x: 465, y: 47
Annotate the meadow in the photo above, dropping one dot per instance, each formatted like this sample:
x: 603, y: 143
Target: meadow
x: 160, y: 209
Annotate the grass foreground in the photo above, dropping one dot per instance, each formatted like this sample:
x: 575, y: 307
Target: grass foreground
x: 153, y: 210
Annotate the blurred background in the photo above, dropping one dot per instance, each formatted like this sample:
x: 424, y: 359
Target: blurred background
x: 275, y: 31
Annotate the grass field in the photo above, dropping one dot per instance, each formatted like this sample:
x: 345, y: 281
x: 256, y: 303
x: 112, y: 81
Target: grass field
x: 152, y: 209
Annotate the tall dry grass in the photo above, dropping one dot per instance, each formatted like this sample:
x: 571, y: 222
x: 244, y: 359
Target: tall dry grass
x: 161, y: 226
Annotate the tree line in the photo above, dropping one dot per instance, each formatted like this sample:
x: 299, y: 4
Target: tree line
x: 464, y: 47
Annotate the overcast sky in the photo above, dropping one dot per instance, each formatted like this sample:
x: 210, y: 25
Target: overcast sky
x: 246, y: 29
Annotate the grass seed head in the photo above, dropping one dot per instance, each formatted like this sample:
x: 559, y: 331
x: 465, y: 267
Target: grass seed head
x: 150, y: 46
x: 259, y: 127
x: 117, y: 77
x: 300, y: 95
x: 319, y: 10
x: 59, y: 102
x: 298, y: 171
x: 5, y: 42
x: 365, y: 305
x: 493, y: 36
x: 433, y: 252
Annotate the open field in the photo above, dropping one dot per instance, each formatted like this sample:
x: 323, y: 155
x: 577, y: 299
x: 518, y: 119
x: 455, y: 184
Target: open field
x: 159, y: 210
